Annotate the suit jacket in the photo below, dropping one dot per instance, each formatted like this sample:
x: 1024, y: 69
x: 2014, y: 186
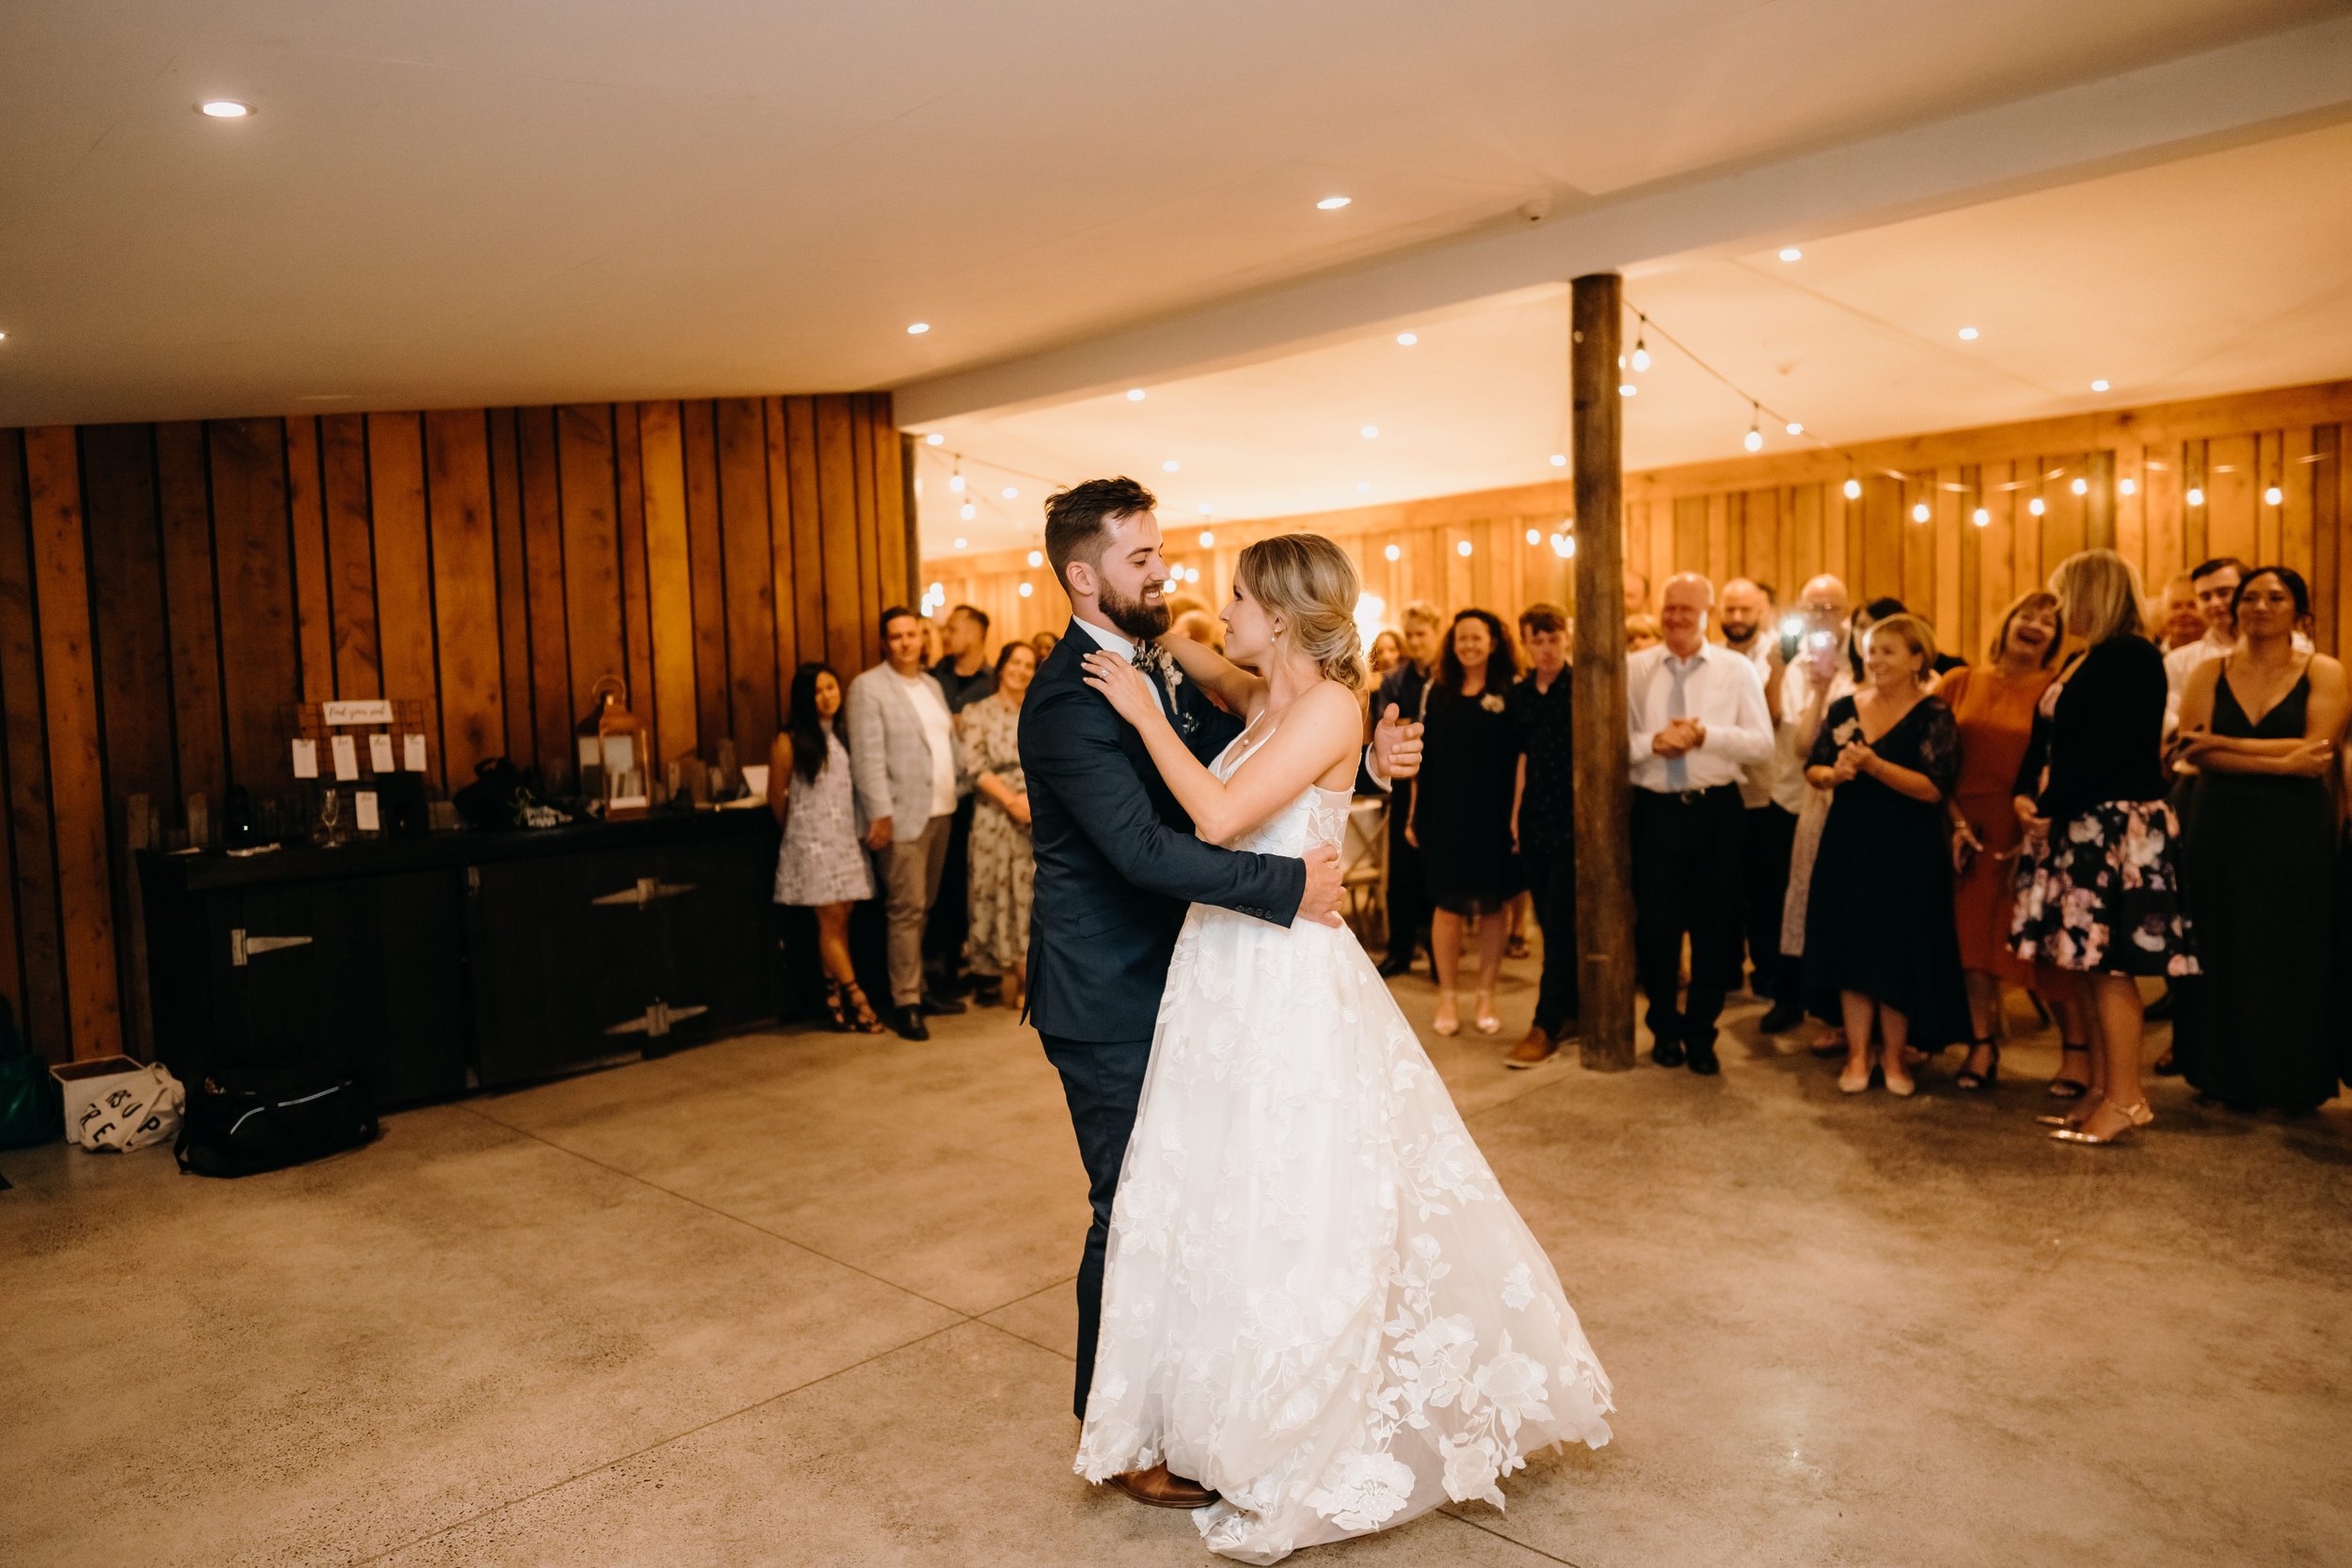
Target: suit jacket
x: 890, y: 757
x: 1117, y: 862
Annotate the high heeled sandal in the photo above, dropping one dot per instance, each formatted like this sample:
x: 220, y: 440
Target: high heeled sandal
x: 2061, y: 1087
x: 862, y: 1019
x: 1483, y: 1014
x: 1972, y: 1081
x: 836, y: 1008
x: 1448, y: 1021
x: 2135, y: 1117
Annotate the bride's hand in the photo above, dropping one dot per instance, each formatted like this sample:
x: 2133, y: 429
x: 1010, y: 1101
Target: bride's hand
x: 1128, y: 688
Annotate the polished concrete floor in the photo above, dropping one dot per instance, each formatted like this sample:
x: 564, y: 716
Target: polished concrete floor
x: 805, y: 1299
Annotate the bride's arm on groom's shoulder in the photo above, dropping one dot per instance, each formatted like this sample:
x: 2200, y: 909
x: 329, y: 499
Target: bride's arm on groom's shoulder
x: 1237, y: 690
x: 1317, y: 731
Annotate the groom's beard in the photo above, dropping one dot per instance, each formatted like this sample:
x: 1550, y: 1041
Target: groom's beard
x: 1138, y: 618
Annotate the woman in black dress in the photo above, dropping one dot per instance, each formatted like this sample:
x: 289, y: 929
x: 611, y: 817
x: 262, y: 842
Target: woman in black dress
x: 2258, y: 858
x: 1879, y: 938
x: 1461, y: 813
x: 2098, y: 887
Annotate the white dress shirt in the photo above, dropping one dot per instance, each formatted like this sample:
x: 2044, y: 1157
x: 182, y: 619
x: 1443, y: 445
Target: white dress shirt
x: 939, y: 735
x: 1721, y: 690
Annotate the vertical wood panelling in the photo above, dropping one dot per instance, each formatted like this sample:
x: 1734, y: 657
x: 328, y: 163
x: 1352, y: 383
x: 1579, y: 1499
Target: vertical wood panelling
x: 127, y: 599
x: 404, y: 560
x: 669, y: 579
x: 890, y: 491
x: 2229, y: 497
x: 40, y: 949
x: 77, y: 789
x: 253, y: 565
x: 506, y: 521
x: 464, y: 594
x: 183, y: 493
x: 797, y: 429
x: 306, y: 514
x: 749, y: 562
x: 636, y: 609
x: 2327, y: 547
x: 706, y: 559
x: 780, y: 561
x: 849, y: 634
x: 543, y: 564
x: 592, y: 562
x: 350, y: 554
x: 868, y: 510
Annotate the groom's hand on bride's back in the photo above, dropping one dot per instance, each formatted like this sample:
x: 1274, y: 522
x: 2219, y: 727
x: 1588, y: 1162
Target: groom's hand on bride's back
x: 1396, y: 746
x: 1322, y: 900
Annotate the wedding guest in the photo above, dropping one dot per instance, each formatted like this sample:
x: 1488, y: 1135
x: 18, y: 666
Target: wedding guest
x: 1879, y: 935
x: 2260, y: 724
x: 821, y: 864
x: 964, y: 676
x: 1385, y: 653
x: 934, y: 644
x: 1043, y: 644
x: 1747, y: 626
x: 1993, y: 704
x: 2099, y: 897
x: 1641, y: 631
x: 1815, y: 675
x: 902, y: 755
x: 1636, y: 593
x: 1543, y: 825
x: 2178, y: 618
x: 1002, y: 866
x: 1408, y: 901
x: 2214, y: 584
x: 1460, y: 819
x: 1698, y: 716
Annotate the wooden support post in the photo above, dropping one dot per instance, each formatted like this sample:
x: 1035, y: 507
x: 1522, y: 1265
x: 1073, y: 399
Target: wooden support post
x: 1604, y: 840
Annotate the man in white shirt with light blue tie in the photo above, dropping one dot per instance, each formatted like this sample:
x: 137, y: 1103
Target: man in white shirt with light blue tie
x: 1697, y: 717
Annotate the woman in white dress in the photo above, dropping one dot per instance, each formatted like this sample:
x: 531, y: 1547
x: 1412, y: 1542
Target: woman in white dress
x: 1318, y: 1300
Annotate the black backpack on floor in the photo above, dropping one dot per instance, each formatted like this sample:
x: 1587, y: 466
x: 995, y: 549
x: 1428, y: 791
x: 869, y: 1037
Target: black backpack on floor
x: 265, y: 1116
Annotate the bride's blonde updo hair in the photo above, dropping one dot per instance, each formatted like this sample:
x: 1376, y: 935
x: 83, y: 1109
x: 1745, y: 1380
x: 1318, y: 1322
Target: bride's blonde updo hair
x: 1311, y: 584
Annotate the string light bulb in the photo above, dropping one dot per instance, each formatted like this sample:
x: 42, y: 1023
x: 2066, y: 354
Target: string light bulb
x: 1462, y: 548
x: 2273, y: 496
x: 1853, y: 488
x: 955, y: 480
x: 1394, y: 552
x: 935, y: 438
x: 1534, y: 536
x: 967, y: 511
x: 1795, y: 428
x: 1921, y: 513
x: 2195, y: 497
x: 1641, y: 355
x: 1012, y: 493
x: 1753, y: 439
x: 2081, y: 485
x: 1037, y: 557
x: 2127, y: 486
x: 1026, y: 589
x: 1208, y: 540
x: 1627, y: 389
x: 2035, y: 507
x: 1981, y: 517
x: 1559, y: 459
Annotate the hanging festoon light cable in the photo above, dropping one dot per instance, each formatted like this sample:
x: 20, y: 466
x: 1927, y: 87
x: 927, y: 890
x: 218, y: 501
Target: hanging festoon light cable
x: 1641, y: 353
x: 1754, y: 440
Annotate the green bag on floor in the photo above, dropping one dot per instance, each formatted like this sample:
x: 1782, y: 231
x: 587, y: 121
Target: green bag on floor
x: 32, y: 1110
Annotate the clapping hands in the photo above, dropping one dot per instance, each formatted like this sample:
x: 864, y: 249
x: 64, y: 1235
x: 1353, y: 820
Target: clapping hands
x: 1852, y: 762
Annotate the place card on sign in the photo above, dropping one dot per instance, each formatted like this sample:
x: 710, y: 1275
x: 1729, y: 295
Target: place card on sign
x: 369, y: 821
x: 380, y: 752
x: 412, y: 752
x: 346, y: 757
x: 305, y: 757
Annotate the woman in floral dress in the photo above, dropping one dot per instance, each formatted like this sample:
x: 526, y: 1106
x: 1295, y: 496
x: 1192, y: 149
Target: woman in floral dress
x: 2099, y: 888
x: 1002, y: 865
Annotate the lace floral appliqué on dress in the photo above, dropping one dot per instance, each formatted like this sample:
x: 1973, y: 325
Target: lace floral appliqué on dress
x: 1317, y: 1301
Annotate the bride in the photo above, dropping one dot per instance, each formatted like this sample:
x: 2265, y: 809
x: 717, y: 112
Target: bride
x: 1317, y: 1301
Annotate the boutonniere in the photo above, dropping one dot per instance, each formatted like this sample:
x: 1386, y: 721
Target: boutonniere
x: 1492, y: 701
x: 1161, y: 665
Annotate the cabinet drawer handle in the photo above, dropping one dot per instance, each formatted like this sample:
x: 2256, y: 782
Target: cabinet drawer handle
x: 645, y: 891
x: 240, y: 946
x: 657, y: 1020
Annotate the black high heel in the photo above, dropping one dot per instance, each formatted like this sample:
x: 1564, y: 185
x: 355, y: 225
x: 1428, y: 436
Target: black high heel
x: 1990, y: 1075
x: 2063, y: 1087
x: 862, y: 1019
x: 836, y: 1008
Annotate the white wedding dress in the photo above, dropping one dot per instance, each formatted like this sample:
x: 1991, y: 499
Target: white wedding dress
x: 1317, y: 1301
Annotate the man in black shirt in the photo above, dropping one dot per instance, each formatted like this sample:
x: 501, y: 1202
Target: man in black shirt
x: 1543, y: 824
x: 964, y: 675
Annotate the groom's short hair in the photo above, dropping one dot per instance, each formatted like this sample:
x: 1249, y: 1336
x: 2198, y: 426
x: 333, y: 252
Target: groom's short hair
x: 1074, y: 520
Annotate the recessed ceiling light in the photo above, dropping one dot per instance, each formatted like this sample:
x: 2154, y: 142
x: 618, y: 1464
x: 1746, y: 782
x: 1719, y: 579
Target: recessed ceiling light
x: 1407, y: 338
x: 960, y: 543
x: 1332, y: 203
x: 1135, y: 394
x: 1364, y: 487
x: 916, y: 329
x: 1627, y: 389
x: 1394, y: 552
x: 1795, y: 428
x: 1037, y: 557
x: 224, y: 108
x: 2100, y: 385
x: 1206, y: 508
x: 1371, y: 432
x: 935, y: 438
x: 1012, y: 493
x: 1967, y: 334
x: 1791, y: 253
x: 1559, y: 459
x: 1170, y: 466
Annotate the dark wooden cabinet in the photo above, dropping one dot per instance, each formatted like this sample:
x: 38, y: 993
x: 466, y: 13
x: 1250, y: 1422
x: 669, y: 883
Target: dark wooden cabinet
x: 466, y: 959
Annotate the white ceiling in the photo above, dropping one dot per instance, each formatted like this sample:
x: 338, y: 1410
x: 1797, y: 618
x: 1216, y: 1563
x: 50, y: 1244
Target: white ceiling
x: 2211, y: 272
x: 460, y: 201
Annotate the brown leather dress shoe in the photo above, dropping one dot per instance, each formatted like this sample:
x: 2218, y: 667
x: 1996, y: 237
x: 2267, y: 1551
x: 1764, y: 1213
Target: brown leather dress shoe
x: 1160, y: 1489
x: 1533, y: 1050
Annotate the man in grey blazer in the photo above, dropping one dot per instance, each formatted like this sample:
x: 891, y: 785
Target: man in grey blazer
x: 902, y: 761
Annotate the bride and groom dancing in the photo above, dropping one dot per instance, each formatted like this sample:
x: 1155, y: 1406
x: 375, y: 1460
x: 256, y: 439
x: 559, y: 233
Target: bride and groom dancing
x: 1305, y: 1310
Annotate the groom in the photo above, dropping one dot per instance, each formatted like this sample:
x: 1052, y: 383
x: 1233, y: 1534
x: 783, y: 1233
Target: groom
x: 1118, y: 864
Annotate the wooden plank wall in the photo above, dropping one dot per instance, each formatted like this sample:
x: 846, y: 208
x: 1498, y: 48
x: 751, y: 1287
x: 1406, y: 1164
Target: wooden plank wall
x: 165, y: 591
x: 1784, y: 518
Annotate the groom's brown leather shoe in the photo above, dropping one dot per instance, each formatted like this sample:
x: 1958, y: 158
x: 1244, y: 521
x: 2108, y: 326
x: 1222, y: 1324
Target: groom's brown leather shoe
x: 1160, y: 1489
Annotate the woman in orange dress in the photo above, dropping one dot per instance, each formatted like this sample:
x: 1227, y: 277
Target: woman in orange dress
x: 1993, y: 705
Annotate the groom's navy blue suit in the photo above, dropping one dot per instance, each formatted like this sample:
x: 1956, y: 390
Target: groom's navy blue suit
x: 1117, y: 866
